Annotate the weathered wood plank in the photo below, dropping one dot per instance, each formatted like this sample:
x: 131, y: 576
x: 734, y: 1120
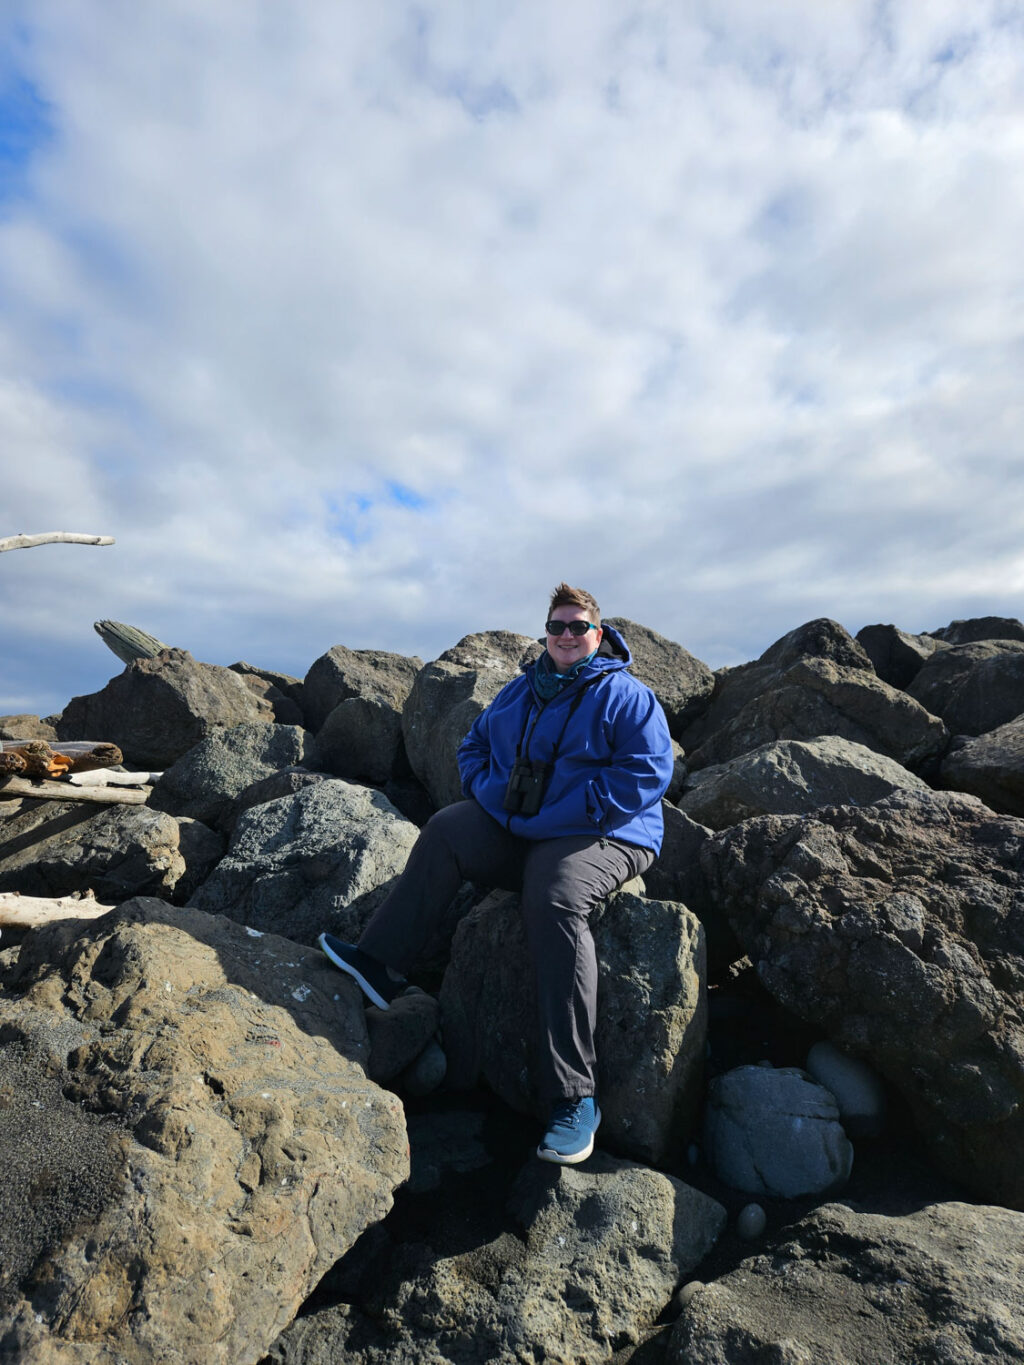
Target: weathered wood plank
x: 46, y: 790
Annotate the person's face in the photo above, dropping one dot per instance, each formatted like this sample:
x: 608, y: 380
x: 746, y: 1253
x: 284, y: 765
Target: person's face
x: 566, y: 649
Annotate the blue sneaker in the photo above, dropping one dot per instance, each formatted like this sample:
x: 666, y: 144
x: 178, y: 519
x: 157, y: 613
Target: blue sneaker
x: 373, y: 977
x: 571, y: 1129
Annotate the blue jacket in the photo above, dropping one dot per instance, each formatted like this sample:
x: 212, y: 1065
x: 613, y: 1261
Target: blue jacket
x: 614, y: 755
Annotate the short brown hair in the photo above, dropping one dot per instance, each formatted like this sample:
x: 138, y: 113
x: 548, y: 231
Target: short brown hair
x: 564, y: 596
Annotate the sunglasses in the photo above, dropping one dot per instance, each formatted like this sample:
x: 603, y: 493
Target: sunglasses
x: 573, y: 627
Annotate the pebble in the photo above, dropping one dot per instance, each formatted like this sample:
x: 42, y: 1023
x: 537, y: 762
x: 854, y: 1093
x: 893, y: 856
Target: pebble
x: 689, y: 1292
x: 751, y: 1222
x: 427, y: 1072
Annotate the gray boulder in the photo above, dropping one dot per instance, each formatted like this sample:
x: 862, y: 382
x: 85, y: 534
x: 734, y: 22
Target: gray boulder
x: 679, y: 772
x: 980, y: 628
x: 362, y: 739
x: 202, y: 849
x: 940, y: 1284
x: 815, y: 681
x: 158, y: 708
x: 446, y: 699
x: 309, y: 862
x: 602, y: 1250
x: 244, y: 1150
x: 205, y: 781
x: 26, y: 727
x: 895, y: 929
x: 681, y: 682
x: 281, y: 690
x: 855, y: 1086
x: 896, y: 655
x: 774, y: 1131
x: 973, y: 687
x: 677, y: 875
x: 793, y: 777
x: 55, y: 848
x: 736, y: 687
x: 398, y: 1035
x: 990, y: 766
x: 284, y: 782
x: 651, y: 1026
x: 370, y: 674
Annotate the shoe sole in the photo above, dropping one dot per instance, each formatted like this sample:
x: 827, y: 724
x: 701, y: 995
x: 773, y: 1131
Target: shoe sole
x: 356, y: 975
x: 565, y: 1158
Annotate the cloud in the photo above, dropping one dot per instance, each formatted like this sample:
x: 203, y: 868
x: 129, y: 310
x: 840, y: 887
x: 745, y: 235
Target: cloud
x: 369, y: 325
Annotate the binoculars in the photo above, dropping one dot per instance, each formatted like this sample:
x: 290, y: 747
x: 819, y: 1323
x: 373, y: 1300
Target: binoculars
x: 526, y: 784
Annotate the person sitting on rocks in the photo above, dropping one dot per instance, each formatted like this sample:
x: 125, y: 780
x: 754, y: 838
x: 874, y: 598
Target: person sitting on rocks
x: 564, y: 774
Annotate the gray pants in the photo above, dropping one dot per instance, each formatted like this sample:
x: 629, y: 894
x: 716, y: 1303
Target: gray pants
x: 559, y: 880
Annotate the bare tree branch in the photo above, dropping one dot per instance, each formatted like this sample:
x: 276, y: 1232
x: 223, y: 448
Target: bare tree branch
x: 48, y: 537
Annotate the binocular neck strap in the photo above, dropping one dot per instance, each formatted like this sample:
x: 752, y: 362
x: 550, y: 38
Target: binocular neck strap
x: 531, y: 724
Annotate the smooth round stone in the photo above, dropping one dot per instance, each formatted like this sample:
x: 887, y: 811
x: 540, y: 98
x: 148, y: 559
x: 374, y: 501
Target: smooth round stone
x: 426, y: 1073
x: 689, y: 1292
x: 858, y: 1090
x: 751, y: 1222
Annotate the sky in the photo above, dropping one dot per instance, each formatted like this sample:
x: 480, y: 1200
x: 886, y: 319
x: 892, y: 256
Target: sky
x: 367, y: 324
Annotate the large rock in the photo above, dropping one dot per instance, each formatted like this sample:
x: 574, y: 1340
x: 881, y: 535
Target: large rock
x: 736, y: 687
x: 204, y: 782
x: 295, y: 865
x: 158, y: 708
x: 990, y: 766
x: 362, y: 739
x: 55, y: 848
x: 895, y: 654
x: 940, y: 1284
x: 284, y: 782
x: 281, y: 690
x: 774, y: 1131
x: 601, y: 1253
x: 793, y: 777
x: 651, y: 1025
x: 980, y: 628
x: 896, y: 929
x: 680, y: 681
x: 24, y: 726
x: 677, y: 875
x: 370, y: 674
x: 973, y: 687
x: 251, y: 1150
x: 446, y: 699
x: 815, y: 681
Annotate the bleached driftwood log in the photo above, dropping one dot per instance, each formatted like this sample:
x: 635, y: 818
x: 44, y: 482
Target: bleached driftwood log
x: 49, y: 537
x: 111, y: 777
x: 28, y: 912
x: 45, y: 790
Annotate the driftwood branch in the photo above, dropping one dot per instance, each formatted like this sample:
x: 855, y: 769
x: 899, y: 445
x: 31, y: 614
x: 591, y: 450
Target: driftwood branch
x: 111, y: 777
x: 64, y: 791
x: 50, y: 537
x: 27, y: 912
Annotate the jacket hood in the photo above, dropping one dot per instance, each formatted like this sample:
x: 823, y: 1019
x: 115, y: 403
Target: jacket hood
x: 614, y: 646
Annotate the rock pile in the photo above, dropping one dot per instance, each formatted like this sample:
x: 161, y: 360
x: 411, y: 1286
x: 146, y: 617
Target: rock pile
x: 816, y: 994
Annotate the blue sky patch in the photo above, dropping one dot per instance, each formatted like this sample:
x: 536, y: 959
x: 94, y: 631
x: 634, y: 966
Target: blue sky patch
x: 26, y: 124
x: 352, y: 517
x: 405, y: 496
